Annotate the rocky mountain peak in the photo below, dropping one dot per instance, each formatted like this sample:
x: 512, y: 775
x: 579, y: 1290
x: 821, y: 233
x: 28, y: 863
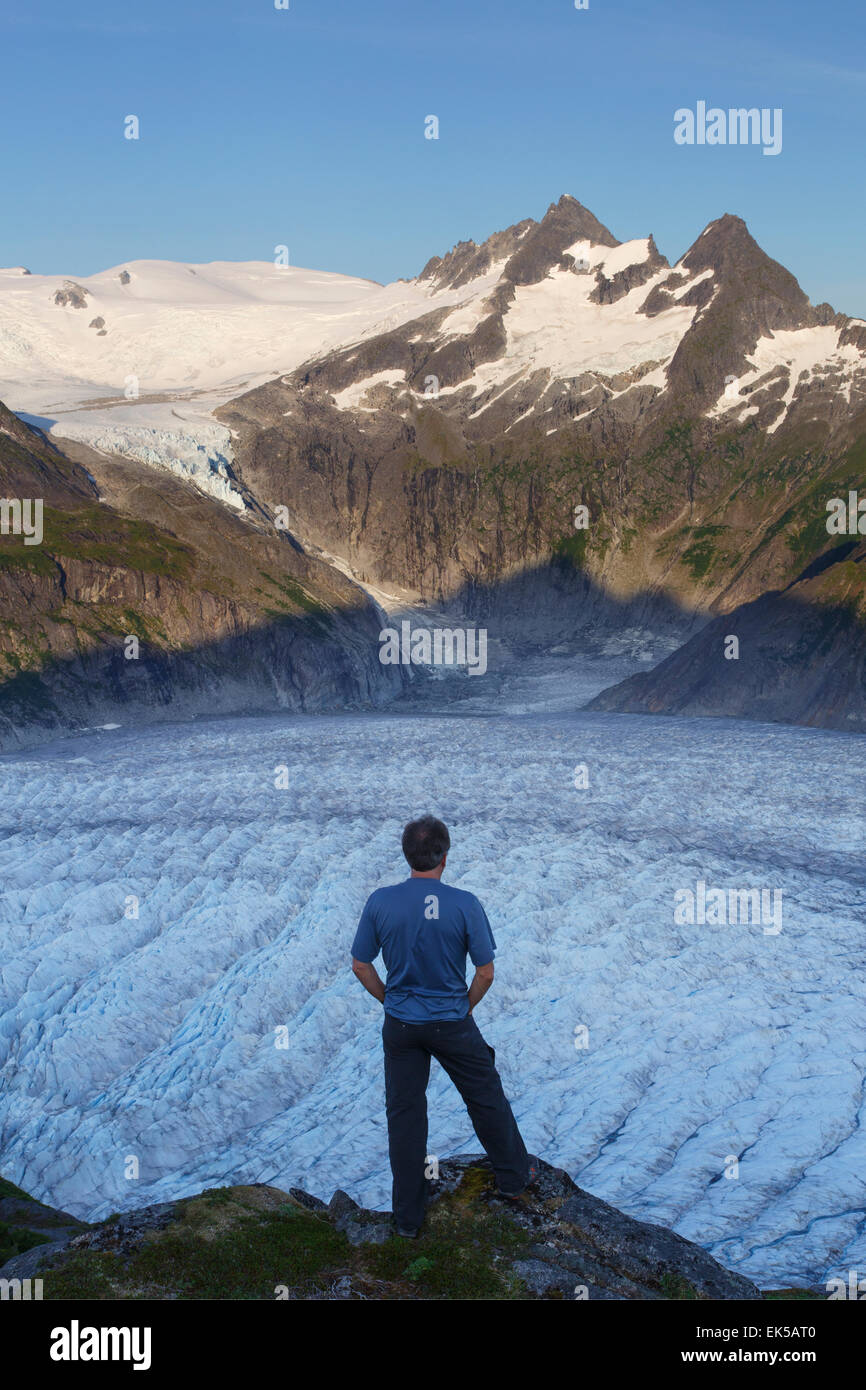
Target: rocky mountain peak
x: 727, y: 247
x: 531, y: 249
x: 743, y: 296
x: 467, y: 260
x: 545, y: 243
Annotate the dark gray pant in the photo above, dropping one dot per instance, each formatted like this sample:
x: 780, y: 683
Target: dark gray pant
x: 460, y: 1049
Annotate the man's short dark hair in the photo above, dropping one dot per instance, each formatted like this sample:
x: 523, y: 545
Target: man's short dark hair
x: 425, y: 843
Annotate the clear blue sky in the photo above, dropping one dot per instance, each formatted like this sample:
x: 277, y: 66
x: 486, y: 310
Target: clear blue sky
x: 306, y: 127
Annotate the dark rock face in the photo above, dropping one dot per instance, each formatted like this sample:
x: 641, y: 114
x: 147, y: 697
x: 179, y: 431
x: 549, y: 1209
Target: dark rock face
x: 467, y: 260
x: 342, y: 1205
x: 621, y: 284
x: 585, y: 1248
x: 229, y: 615
x: 305, y: 1200
x: 360, y: 1227
x: 750, y: 296
x: 646, y: 1256
x: 543, y: 247
x: 531, y: 249
x: 802, y: 657
x: 542, y: 1278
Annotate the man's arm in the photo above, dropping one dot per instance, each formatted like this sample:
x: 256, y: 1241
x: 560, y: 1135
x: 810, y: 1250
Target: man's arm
x: 480, y: 985
x: 369, y: 977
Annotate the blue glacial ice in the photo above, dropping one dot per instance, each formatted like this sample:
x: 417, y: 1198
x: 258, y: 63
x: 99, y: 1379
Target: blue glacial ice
x: 166, y: 908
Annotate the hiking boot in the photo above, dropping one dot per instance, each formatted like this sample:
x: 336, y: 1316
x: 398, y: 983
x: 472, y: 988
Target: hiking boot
x: 534, y: 1169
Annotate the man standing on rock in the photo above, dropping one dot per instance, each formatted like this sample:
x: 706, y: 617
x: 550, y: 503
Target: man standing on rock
x: 425, y: 929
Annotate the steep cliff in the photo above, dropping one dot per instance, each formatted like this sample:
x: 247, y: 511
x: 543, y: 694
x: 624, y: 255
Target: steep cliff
x: 147, y: 598
x: 797, y: 654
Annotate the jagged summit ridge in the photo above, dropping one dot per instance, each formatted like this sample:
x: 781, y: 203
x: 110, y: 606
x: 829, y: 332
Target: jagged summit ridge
x: 528, y: 250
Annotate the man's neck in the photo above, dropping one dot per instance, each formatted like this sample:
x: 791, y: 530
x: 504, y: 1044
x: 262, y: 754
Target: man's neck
x: 430, y: 873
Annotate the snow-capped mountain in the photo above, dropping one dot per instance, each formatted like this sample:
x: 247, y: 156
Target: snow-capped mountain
x: 554, y: 430
x: 549, y: 322
x: 591, y: 437
x: 559, y: 320
x: 565, y: 344
x: 132, y: 360
x: 175, y: 327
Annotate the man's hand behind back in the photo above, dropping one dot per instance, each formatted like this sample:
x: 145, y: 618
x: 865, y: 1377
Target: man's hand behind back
x: 480, y: 985
x: 369, y: 977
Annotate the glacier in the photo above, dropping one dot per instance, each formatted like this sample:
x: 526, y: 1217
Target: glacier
x: 177, y: 1009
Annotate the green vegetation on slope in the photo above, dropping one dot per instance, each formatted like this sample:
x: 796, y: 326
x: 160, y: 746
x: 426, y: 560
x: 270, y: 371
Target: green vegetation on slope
x: 95, y: 533
x: 244, y: 1243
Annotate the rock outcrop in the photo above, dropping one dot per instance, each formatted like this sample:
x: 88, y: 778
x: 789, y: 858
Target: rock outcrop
x: 800, y: 656
x: 556, y: 1242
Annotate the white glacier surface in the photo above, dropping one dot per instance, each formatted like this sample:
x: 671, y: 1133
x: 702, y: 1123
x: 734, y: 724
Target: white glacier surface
x: 164, y: 909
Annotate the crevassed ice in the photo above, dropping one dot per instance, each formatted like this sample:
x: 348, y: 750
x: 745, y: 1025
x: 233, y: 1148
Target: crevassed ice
x: 153, y: 1035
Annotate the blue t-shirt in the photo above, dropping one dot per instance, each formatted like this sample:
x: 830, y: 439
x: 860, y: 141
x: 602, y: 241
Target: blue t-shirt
x: 424, y: 929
